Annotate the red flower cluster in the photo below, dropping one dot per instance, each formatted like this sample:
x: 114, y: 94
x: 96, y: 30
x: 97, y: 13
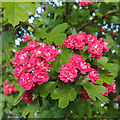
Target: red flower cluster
x: 95, y: 47
x: 113, y: 33
x: 27, y: 96
x: 26, y: 38
x: 9, y: 88
x: 102, y: 30
x: 77, y: 41
x: 110, y: 88
x: 69, y: 71
x: 84, y: 94
x: 85, y: 3
x: 93, y: 75
x: 31, y: 63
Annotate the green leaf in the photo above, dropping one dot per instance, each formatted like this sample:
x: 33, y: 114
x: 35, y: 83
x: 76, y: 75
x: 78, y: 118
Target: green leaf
x: 102, y: 60
x: 94, y: 91
x: 110, y: 41
x: 65, y: 94
x: 8, y: 38
x: 45, y: 114
x: 57, y: 35
x: 62, y: 59
x: 98, y: 14
x: 18, y: 11
x: 112, y: 67
x: 41, y: 33
x: 31, y: 108
x: 97, y: 104
x: 104, y: 7
x: 46, y: 88
x: 60, y: 28
x: 17, y: 100
x: 115, y: 19
x: 105, y: 78
x: 63, y: 102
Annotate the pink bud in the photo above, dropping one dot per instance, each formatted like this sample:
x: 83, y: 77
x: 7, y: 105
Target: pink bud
x: 59, y: 52
x: 5, y: 82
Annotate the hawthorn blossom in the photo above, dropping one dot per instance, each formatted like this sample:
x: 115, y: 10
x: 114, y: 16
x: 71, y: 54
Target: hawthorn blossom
x: 49, y: 52
x: 68, y: 72
x: 84, y: 67
x: 110, y: 88
x: 27, y: 96
x: 26, y: 81
x: 76, y: 59
x: 26, y: 38
x: 40, y: 75
x: 9, y: 88
x: 93, y: 75
x: 84, y: 94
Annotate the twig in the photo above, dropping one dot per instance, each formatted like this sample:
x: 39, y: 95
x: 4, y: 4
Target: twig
x: 109, y: 12
x: 66, y: 10
x: 26, y: 23
x: 31, y: 26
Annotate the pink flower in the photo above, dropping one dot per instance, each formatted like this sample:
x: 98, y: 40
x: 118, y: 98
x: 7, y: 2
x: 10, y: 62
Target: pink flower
x: 90, y: 39
x: 19, y: 70
x: 9, y: 88
x: 76, y: 59
x: 104, y: 45
x: 41, y: 44
x: 106, y: 16
x: 113, y: 33
x: 61, y: 46
x: 93, y: 75
x: 32, y: 59
x: 30, y: 46
x: 40, y: 62
x: 102, y: 30
x: 77, y: 41
x: 28, y: 65
x: 27, y: 96
x: 85, y: 3
x: 84, y: 67
x: 68, y: 72
x: 37, y: 52
x: 26, y: 38
x: 59, y: 52
x: 5, y: 82
x: 45, y: 6
x: 69, y: 42
x: 110, y: 88
x: 84, y: 94
x: 100, y: 68
x: 95, y: 49
x: 26, y: 81
x: 49, y: 52
x: 40, y: 75
x: 20, y: 57
x: 80, y: 40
